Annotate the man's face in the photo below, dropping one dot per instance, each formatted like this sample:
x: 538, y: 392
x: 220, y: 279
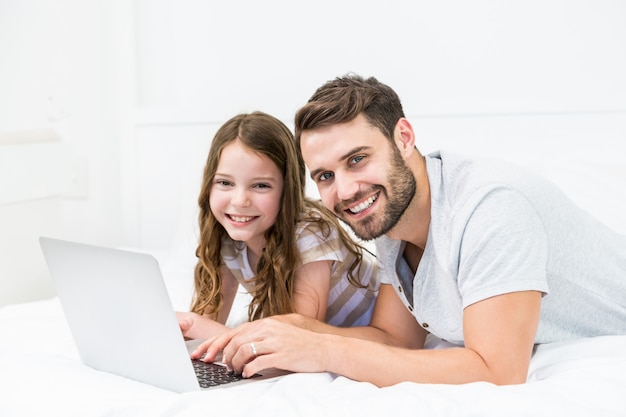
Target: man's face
x: 361, y: 176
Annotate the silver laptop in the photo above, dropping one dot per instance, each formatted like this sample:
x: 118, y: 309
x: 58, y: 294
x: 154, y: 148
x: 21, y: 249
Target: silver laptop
x: 122, y: 321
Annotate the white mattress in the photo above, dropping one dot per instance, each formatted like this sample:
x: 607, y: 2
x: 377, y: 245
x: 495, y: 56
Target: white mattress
x: 41, y: 375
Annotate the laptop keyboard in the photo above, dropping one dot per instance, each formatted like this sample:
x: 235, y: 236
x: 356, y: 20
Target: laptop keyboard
x: 211, y: 374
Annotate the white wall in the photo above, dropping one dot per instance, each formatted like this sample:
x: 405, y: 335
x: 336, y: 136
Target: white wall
x: 447, y: 57
x: 137, y: 88
x: 58, y: 135
x: 463, y: 69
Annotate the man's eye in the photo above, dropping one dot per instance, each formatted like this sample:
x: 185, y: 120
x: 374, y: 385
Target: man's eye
x: 357, y: 159
x: 325, y: 176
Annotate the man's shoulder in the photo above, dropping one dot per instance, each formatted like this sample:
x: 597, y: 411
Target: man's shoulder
x: 455, y: 177
x: 387, y: 248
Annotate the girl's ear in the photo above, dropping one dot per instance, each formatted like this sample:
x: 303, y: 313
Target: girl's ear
x: 404, y: 137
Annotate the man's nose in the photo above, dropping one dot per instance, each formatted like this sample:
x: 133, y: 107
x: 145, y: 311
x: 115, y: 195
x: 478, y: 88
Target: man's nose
x: 346, y: 186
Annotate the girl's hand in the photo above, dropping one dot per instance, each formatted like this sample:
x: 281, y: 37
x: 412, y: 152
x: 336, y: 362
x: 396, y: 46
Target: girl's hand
x: 195, y: 326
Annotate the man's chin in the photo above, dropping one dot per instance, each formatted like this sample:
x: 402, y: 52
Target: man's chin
x: 362, y: 232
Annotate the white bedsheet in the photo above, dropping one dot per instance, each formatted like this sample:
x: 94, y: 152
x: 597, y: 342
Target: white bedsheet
x: 41, y: 375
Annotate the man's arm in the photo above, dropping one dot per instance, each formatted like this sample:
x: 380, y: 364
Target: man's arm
x: 499, y: 334
x: 391, y: 324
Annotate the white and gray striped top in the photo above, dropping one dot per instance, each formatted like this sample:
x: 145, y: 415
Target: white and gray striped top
x: 347, y: 304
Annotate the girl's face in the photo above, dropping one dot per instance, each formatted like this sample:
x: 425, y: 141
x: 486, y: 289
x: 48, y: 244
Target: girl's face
x: 246, y: 194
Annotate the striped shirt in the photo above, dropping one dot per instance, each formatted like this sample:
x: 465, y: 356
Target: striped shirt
x: 347, y: 304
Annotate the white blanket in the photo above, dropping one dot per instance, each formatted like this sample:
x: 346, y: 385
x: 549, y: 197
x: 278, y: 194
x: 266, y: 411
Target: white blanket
x: 41, y: 375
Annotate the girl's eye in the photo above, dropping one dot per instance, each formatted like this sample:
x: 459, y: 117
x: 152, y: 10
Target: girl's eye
x: 223, y: 183
x: 262, y: 186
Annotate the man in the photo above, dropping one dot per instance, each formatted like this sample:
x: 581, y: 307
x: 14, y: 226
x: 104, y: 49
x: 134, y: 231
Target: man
x: 482, y: 254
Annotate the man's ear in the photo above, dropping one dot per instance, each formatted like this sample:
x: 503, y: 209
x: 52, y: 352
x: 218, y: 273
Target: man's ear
x: 404, y: 137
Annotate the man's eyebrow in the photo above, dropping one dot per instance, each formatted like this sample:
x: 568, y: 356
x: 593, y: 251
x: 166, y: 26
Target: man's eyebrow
x: 343, y: 157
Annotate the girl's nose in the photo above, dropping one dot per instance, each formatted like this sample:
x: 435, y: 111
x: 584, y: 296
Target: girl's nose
x: 240, y: 198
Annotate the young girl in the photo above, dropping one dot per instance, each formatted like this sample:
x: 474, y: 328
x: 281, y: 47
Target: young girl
x: 259, y: 230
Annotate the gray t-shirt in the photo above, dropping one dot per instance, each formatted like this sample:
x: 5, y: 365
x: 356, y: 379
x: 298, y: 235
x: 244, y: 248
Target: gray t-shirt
x: 498, y: 228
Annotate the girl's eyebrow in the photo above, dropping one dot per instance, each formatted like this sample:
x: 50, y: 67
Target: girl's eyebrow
x: 268, y: 178
x: 341, y: 158
x: 265, y: 179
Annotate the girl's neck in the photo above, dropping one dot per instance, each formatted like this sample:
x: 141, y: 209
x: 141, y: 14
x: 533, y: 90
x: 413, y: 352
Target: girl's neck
x: 254, y: 253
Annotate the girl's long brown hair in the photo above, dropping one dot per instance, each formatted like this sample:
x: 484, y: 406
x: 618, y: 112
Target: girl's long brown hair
x: 272, y: 291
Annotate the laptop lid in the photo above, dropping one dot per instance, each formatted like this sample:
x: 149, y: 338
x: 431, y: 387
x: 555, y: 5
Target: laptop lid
x: 119, y: 313
x: 121, y: 317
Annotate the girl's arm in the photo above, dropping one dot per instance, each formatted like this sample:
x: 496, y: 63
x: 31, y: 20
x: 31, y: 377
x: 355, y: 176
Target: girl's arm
x: 196, y: 326
x: 311, y: 287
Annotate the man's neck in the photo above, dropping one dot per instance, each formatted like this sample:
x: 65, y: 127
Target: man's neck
x: 415, y: 221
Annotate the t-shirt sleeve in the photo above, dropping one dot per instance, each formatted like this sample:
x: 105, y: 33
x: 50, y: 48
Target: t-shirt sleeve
x: 315, y: 246
x: 387, y: 252
x: 504, y: 248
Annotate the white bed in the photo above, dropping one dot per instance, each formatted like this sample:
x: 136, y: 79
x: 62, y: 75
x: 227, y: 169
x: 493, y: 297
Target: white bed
x: 41, y: 374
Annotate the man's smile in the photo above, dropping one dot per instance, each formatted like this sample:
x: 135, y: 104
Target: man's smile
x: 364, y: 205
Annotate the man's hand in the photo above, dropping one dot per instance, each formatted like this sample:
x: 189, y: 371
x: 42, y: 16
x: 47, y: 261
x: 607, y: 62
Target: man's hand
x: 268, y: 343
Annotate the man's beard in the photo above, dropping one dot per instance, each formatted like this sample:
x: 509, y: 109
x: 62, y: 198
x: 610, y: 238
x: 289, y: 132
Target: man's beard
x: 402, y: 188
